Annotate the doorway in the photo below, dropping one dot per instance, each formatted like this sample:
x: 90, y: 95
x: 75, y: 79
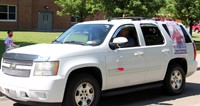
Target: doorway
x: 45, y: 21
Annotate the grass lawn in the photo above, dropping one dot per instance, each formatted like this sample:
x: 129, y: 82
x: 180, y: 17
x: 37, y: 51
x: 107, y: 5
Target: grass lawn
x: 196, y: 37
x: 28, y: 38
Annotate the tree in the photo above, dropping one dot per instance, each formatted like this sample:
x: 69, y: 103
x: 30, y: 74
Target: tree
x: 186, y: 10
x: 167, y: 11
x: 113, y: 8
x: 143, y: 8
x: 78, y: 8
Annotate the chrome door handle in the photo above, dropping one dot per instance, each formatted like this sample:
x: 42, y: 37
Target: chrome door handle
x: 165, y: 50
x: 138, y: 53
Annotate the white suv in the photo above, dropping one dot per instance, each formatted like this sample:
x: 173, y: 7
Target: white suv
x: 93, y: 58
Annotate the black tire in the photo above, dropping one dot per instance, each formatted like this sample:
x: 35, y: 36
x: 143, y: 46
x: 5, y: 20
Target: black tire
x: 174, y: 82
x: 82, y: 90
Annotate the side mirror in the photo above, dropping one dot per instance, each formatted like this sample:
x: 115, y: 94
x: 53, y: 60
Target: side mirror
x: 119, y: 42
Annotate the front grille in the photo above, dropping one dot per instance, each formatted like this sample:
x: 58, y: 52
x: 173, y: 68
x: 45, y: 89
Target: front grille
x: 16, y: 72
x: 18, y: 62
x: 19, y: 68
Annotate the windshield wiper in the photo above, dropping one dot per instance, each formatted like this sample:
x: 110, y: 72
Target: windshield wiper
x: 56, y: 41
x: 75, y: 42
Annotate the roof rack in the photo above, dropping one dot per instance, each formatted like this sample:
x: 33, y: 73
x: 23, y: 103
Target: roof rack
x: 132, y: 18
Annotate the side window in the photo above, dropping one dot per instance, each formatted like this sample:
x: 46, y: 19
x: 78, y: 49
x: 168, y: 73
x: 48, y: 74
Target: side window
x: 152, y: 35
x: 187, y: 38
x: 130, y: 33
x: 167, y: 30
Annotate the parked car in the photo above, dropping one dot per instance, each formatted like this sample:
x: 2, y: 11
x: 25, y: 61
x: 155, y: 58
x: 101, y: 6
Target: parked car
x: 196, y: 28
x: 92, y: 58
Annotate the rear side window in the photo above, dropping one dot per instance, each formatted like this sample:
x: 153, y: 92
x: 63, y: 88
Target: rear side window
x: 165, y: 27
x: 178, y: 37
x: 152, y: 35
x: 187, y: 38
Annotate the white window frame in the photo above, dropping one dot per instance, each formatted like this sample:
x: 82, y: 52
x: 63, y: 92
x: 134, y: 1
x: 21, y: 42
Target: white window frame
x: 9, y: 20
x: 75, y: 18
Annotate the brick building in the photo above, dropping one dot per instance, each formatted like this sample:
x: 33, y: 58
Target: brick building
x: 34, y: 15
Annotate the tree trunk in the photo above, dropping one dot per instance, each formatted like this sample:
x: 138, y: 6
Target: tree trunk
x: 190, y: 26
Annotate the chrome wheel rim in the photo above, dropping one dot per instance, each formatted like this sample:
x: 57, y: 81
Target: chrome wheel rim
x: 176, y: 80
x: 84, y: 94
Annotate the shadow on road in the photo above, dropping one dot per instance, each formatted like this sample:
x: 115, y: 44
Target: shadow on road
x: 149, y: 96
x: 145, y: 97
x: 17, y: 104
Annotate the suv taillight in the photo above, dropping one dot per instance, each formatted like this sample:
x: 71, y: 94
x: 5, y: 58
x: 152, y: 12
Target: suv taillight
x: 195, y: 52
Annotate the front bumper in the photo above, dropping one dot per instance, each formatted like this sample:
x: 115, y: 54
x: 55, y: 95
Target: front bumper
x: 45, y: 89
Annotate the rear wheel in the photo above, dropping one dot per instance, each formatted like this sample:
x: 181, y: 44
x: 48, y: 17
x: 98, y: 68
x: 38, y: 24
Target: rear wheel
x: 174, y: 82
x: 82, y: 90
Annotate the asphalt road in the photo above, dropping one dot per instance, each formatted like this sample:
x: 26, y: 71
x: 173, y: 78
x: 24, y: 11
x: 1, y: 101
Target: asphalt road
x: 150, y: 97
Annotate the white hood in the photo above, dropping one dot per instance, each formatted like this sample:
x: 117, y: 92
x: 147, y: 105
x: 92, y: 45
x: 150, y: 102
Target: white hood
x: 53, y: 50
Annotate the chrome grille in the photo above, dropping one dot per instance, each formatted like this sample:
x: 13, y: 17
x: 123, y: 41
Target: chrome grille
x: 10, y: 67
x: 16, y: 72
x: 18, y: 62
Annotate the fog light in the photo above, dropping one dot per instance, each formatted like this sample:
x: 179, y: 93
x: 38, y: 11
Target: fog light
x: 41, y: 95
x: 23, y: 94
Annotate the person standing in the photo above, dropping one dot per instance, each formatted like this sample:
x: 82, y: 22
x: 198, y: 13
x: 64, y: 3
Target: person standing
x: 9, y: 44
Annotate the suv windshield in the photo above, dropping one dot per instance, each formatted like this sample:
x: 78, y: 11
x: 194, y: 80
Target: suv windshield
x: 85, y: 34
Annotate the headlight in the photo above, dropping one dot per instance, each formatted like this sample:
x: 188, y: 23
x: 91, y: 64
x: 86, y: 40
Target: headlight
x: 46, y: 68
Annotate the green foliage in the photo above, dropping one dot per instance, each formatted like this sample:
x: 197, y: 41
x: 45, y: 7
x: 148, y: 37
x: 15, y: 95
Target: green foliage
x: 145, y: 8
x: 168, y: 9
x: 196, y: 37
x: 78, y: 8
x: 112, y: 8
x: 186, y: 10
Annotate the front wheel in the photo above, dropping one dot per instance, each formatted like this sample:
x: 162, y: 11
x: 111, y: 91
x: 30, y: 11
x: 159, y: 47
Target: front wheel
x: 174, y: 82
x: 82, y: 90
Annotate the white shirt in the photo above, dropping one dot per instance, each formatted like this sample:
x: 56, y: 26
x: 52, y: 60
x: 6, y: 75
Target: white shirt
x: 8, y: 42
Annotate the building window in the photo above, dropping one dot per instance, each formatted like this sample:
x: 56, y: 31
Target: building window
x: 74, y: 19
x: 7, y: 13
